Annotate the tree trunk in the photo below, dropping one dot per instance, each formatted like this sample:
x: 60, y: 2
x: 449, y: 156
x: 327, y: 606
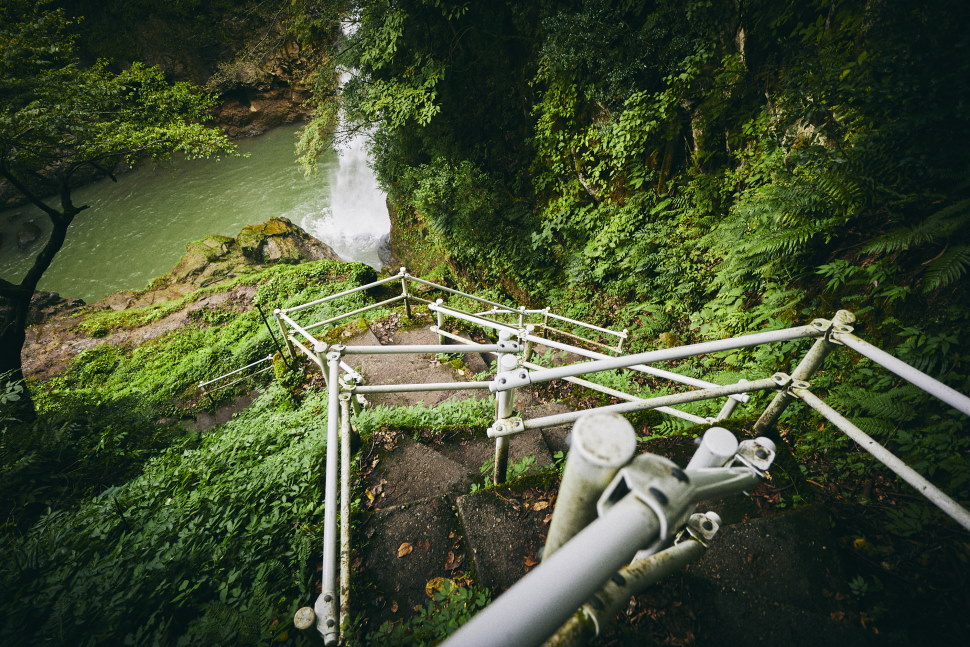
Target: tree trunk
x: 13, y: 324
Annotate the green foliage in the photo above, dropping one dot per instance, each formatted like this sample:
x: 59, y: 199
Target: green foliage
x: 211, y: 542
x: 451, y: 606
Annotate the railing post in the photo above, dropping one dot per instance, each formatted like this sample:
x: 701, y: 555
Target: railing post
x: 404, y: 291
x: 441, y: 322
x: 286, y: 337
x: 806, y: 368
x: 619, y: 343
x: 320, y: 349
x: 528, y: 346
x: 521, y: 317
x: 602, y: 443
x: 504, y: 405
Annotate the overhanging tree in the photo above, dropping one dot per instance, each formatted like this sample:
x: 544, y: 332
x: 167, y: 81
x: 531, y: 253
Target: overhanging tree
x: 59, y: 118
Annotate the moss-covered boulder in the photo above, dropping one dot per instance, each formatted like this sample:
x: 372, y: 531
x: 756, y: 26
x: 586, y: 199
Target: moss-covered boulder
x: 280, y: 241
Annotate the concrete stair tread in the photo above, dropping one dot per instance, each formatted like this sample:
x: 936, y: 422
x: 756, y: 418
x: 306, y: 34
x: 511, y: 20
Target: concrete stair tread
x: 473, y: 452
x: 412, y: 471
x: 504, y: 531
x: 404, y: 547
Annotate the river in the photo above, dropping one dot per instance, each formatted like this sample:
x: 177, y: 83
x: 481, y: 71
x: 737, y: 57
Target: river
x: 137, y: 228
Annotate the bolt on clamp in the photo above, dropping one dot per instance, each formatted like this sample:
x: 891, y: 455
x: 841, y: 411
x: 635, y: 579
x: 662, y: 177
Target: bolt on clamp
x: 506, y: 427
x: 510, y: 380
x: 702, y: 526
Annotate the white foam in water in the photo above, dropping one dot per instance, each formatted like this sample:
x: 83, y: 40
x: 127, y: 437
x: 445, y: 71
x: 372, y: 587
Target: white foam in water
x: 357, y: 223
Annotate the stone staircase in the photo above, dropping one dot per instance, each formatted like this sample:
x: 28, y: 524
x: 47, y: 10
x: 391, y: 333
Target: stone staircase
x: 764, y: 581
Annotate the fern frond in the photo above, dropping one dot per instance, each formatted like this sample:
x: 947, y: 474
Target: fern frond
x: 948, y: 268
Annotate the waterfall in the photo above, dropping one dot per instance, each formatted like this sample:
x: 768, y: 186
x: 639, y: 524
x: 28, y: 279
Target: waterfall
x: 356, y: 224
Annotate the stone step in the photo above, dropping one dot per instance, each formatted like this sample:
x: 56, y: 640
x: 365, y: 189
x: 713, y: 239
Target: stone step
x: 406, y: 471
x: 504, y: 530
x: 407, y: 369
x: 402, y: 549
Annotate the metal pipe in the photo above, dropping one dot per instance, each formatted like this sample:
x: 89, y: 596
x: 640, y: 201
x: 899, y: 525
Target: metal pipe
x: 404, y: 291
x: 677, y: 413
x: 344, y: 509
x: 441, y: 323
x: 430, y: 386
x: 932, y: 386
x: 444, y: 333
x: 680, y: 352
x: 309, y: 353
x: 457, y: 314
x: 331, y: 297
x: 236, y: 381
x: 936, y: 496
x: 650, y: 370
x: 310, y: 338
x: 538, y: 604
x: 504, y: 408
x: 326, y: 604
x: 430, y: 349
x: 286, y: 338
x: 640, y: 368
x: 354, y: 375
x: 268, y: 358
x: 354, y: 312
x: 553, y: 315
x: 717, y: 447
x: 806, y: 368
x: 652, y: 403
x: 585, y: 340
x: 602, y: 443
x: 642, y: 573
x: 415, y: 279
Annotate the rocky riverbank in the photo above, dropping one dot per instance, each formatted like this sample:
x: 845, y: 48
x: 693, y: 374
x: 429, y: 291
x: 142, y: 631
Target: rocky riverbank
x: 59, y: 332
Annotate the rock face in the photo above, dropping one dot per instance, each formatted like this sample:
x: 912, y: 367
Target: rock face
x: 27, y: 234
x: 215, y: 258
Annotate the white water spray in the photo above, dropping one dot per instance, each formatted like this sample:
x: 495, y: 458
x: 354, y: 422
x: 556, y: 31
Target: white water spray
x: 356, y: 223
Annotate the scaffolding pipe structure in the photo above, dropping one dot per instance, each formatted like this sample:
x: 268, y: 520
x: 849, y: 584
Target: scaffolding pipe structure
x: 665, y: 400
x: 810, y: 363
x: 358, y: 311
x: 900, y: 368
x: 427, y: 386
x: 345, y: 399
x: 936, y: 496
x: 331, y: 297
x: 523, y: 378
x: 431, y: 349
x: 639, y: 367
x: 326, y: 604
x: 644, y: 572
x: 602, y: 443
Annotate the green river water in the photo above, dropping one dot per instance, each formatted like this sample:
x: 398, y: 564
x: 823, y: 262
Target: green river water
x: 137, y: 228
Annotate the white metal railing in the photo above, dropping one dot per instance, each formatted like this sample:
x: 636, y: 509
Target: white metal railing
x: 517, y: 342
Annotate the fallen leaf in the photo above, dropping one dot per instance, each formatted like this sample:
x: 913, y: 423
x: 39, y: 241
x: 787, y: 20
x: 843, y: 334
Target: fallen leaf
x: 436, y: 584
x: 453, y: 562
x: 405, y: 549
x: 394, y: 606
x: 540, y: 505
x: 423, y: 544
x: 547, y: 518
x: 528, y: 561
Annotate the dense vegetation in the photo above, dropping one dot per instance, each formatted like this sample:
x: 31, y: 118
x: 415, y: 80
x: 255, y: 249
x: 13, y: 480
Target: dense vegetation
x: 696, y: 170
x: 687, y: 170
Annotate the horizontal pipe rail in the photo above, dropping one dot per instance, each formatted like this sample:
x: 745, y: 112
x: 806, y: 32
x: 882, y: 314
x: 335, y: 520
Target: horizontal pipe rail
x: 354, y: 375
x: 677, y: 413
x: 426, y: 349
x: 428, y: 386
x: 679, y: 352
x: 932, y: 386
x: 358, y: 311
x: 238, y: 370
x: 652, y: 403
x: 237, y: 381
x: 566, y: 333
x: 331, y: 297
x: 941, y: 500
x: 545, y: 313
x: 297, y: 327
x: 479, y: 321
x: 306, y: 351
x: 415, y: 279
